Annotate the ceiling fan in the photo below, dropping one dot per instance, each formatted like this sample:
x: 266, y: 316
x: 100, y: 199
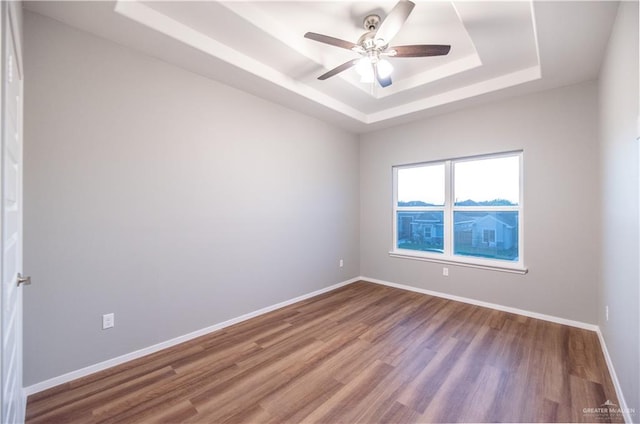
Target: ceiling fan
x: 373, y: 46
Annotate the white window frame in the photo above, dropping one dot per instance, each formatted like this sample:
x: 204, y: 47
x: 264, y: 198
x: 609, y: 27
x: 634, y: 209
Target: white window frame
x: 448, y: 257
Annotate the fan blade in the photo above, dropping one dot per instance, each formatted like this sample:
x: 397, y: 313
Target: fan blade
x: 393, y: 22
x: 338, y: 69
x: 421, y: 50
x: 384, y: 82
x: 330, y: 40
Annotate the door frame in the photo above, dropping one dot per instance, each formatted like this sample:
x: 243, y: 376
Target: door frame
x: 11, y: 32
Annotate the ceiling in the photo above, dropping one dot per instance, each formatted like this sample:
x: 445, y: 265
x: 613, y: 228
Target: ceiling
x: 498, y: 49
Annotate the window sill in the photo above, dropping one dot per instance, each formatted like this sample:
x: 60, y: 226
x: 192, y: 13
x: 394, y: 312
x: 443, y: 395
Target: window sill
x: 491, y: 267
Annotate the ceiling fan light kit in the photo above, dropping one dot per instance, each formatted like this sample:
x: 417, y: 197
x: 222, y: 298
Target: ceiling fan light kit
x: 365, y: 68
x: 373, y: 46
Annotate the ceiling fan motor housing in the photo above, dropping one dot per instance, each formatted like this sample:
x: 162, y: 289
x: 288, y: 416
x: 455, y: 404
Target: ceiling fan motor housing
x: 366, y: 42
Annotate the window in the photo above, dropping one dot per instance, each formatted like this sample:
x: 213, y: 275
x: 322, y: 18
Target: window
x: 420, y: 202
x: 465, y: 211
x: 489, y: 236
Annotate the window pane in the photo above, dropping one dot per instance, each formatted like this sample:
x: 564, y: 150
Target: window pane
x: 421, y: 185
x: 421, y: 231
x: 487, y: 182
x: 491, y: 235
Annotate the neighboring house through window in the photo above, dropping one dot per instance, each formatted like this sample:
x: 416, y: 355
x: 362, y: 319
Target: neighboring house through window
x: 466, y: 211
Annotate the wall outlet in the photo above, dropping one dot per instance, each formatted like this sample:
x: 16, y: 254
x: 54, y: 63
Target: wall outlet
x: 445, y: 271
x: 108, y: 321
x: 341, y: 263
x: 606, y: 312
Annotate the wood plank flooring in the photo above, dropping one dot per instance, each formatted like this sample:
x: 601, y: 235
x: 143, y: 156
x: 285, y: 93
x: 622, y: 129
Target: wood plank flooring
x: 363, y: 353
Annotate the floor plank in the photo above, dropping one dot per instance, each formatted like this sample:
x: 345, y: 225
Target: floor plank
x: 363, y: 353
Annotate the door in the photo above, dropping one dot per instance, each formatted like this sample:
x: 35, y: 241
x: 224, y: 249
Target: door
x: 13, y: 401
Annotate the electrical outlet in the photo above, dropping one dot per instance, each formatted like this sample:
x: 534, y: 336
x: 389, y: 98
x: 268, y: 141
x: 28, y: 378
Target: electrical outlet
x: 341, y: 263
x: 445, y: 272
x: 108, y: 321
x: 606, y: 312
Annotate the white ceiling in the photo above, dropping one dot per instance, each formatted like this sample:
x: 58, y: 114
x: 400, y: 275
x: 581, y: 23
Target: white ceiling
x: 498, y: 49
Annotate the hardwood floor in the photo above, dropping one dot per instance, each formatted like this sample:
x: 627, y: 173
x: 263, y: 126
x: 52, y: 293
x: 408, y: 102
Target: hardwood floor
x: 364, y: 353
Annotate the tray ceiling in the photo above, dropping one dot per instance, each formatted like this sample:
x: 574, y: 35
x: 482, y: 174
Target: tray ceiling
x: 497, y: 49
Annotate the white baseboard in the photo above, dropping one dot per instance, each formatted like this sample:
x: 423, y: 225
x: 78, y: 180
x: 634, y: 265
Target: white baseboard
x: 47, y: 384
x: 614, y: 377
x: 517, y: 311
x: 38, y: 387
x: 623, y: 404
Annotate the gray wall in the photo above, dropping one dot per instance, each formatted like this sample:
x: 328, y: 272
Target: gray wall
x: 558, y: 132
x: 171, y: 200
x: 177, y: 202
x: 619, y: 160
